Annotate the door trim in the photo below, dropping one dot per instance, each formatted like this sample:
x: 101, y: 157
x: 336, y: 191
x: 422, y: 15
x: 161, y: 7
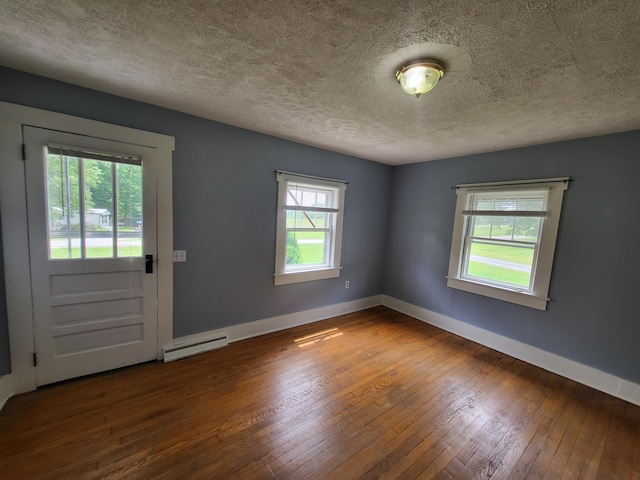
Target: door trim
x: 13, y: 208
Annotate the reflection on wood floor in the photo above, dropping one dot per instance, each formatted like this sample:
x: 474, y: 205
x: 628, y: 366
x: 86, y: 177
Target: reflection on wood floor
x: 373, y: 394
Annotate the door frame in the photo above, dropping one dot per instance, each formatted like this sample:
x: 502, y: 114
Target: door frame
x: 13, y: 208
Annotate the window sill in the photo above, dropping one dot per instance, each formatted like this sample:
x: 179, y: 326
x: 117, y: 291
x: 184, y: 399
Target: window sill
x: 305, y: 276
x: 504, y: 294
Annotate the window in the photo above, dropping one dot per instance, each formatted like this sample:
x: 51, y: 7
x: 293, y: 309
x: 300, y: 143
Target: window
x: 504, y: 239
x: 309, y: 229
x: 94, y: 204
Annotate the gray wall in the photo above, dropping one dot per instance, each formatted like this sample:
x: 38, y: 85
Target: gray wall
x: 225, y: 196
x: 224, y: 207
x: 5, y: 358
x: 593, y: 315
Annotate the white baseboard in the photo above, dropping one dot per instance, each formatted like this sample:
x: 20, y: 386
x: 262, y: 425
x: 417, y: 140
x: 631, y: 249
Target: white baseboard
x: 6, y: 391
x: 281, y: 322
x: 571, y: 369
x: 592, y: 377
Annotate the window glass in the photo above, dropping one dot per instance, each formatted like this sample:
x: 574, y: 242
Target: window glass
x: 129, y: 210
x: 94, y: 205
x: 500, y: 264
x: 98, y: 207
x: 309, y: 228
x: 309, y: 231
x: 63, y: 199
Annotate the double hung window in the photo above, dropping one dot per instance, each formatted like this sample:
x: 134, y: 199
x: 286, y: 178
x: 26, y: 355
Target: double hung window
x: 309, y: 228
x: 504, y: 239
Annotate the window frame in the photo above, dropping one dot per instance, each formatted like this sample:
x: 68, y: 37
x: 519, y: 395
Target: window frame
x: 537, y: 298
x: 331, y: 268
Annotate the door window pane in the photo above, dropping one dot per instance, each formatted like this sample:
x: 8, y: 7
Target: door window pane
x: 129, y: 193
x: 98, y: 206
x: 63, y: 212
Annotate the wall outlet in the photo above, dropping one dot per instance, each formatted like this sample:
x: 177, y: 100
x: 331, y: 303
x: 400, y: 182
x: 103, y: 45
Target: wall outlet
x: 179, y: 255
x: 346, y: 284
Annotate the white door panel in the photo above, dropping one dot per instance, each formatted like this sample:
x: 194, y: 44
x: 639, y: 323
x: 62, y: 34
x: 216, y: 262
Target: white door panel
x: 95, y: 308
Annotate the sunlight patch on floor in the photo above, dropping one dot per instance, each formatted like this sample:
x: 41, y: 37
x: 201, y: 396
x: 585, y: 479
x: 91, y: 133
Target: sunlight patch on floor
x: 318, y: 337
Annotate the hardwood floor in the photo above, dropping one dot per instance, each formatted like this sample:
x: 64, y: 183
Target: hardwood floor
x: 374, y: 394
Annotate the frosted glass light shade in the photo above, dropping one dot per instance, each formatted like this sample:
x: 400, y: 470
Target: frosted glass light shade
x: 419, y: 77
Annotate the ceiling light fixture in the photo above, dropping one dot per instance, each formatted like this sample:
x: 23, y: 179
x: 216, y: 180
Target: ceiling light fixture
x: 420, y: 76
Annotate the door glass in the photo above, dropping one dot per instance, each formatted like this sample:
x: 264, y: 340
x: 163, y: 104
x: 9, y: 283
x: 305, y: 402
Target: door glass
x: 63, y: 197
x: 129, y: 193
x: 98, y: 204
x: 92, y: 202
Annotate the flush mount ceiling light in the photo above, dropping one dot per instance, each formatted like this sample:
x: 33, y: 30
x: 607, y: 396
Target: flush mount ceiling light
x: 450, y: 63
x: 420, y: 76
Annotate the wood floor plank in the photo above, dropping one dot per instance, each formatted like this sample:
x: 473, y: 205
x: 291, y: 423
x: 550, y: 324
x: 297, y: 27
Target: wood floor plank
x: 487, y: 443
x: 514, y: 464
x: 373, y: 395
x: 398, y: 428
x: 569, y: 433
x: 634, y: 415
x: 464, y: 416
x: 576, y: 463
x: 437, y: 388
x: 369, y: 389
x: 559, y: 394
x: 618, y: 445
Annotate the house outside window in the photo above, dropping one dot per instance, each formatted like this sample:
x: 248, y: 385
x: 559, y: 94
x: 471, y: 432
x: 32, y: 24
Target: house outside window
x: 309, y: 228
x: 504, y: 239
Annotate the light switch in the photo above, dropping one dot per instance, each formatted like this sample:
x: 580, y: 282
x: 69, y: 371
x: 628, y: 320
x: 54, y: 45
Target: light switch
x: 179, y: 255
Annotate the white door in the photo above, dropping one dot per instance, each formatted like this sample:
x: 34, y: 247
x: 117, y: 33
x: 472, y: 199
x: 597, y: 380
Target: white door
x: 92, y: 242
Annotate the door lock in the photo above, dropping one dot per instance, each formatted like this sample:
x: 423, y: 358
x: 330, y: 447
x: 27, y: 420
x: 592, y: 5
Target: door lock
x: 148, y: 263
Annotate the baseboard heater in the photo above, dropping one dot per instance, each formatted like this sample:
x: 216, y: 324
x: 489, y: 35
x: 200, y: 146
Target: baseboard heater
x: 182, y: 350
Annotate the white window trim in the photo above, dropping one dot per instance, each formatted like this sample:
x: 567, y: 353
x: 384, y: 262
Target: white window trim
x: 538, y: 298
x: 282, y: 277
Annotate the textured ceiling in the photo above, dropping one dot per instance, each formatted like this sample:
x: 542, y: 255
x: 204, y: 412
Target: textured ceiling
x: 306, y: 70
